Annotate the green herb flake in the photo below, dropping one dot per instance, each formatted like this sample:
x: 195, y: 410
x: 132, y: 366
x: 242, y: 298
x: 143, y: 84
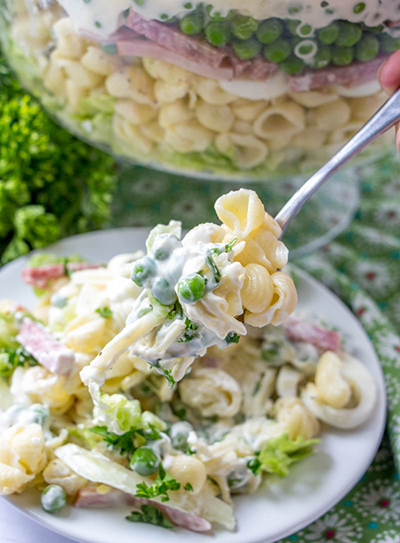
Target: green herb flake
x: 166, y: 372
x: 11, y: 358
x: 214, y: 269
x: 151, y: 515
x: 188, y: 487
x: 232, y: 337
x: 104, y: 312
x: 229, y: 246
x: 160, y: 487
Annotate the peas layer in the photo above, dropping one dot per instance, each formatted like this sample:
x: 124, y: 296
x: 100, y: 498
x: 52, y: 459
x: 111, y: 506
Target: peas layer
x: 280, y: 41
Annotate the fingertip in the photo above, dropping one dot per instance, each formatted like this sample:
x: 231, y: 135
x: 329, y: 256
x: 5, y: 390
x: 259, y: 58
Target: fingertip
x: 389, y: 73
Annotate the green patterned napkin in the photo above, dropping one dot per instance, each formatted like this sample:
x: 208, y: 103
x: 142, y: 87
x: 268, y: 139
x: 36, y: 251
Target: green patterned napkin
x: 362, y: 266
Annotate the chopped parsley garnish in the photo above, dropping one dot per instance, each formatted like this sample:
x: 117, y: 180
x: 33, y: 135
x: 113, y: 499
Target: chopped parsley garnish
x: 214, y: 268
x: 167, y: 373
x: 229, y: 246
x: 104, y: 312
x: 127, y: 443
x: 151, y: 515
x: 11, y: 358
x: 232, y: 337
x: 190, y: 334
x: 188, y: 487
x: 160, y: 487
x: 176, y: 311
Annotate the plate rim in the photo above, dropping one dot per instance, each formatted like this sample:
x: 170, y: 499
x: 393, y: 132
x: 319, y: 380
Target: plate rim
x: 316, y: 284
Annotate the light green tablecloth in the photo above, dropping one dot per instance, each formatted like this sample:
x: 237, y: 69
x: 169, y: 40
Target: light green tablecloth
x: 363, y: 267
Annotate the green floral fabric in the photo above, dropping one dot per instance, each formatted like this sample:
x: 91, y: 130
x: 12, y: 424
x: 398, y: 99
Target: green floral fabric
x: 362, y: 265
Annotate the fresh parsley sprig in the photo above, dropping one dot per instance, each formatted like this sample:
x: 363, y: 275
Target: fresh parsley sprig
x: 151, y: 515
x: 127, y: 443
x: 160, y: 487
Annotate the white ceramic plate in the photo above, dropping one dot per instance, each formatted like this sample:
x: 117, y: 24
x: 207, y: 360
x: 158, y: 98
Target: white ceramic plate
x: 283, y: 505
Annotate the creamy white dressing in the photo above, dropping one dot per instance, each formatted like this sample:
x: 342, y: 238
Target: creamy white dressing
x: 103, y: 16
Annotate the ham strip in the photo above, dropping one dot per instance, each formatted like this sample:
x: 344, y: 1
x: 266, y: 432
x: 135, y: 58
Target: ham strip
x: 174, y: 40
x: 45, y: 348
x: 146, y: 48
x: 90, y: 497
x: 352, y: 75
x: 40, y: 276
x: 321, y: 338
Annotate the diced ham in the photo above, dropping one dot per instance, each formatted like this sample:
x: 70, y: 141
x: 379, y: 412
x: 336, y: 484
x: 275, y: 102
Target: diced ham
x: 321, y: 338
x: 257, y: 69
x: 147, y: 48
x: 40, y: 276
x: 90, y: 497
x: 45, y: 348
x: 173, y: 39
x: 352, y: 75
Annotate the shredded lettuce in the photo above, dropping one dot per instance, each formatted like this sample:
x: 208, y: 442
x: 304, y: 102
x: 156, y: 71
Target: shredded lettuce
x: 121, y: 415
x: 8, y: 331
x: 280, y: 453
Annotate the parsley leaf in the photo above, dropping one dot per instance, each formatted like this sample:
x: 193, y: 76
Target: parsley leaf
x: 166, y: 372
x: 188, y: 487
x: 214, y: 268
x: 104, y: 312
x: 229, y: 246
x: 160, y: 487
x: 176, y: 311
x: 151, y: 515
x: 123, y: 443
x: 232, y: 337
x: 14, y: 357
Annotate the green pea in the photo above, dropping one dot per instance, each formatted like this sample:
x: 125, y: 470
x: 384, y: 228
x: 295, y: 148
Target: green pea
x: 349, y: 34
x: 163, y: 292
x: 329, y: 34
x: 218, y: 33
x: 143, y: 270
x: 292, y: 65
x: 243, y: 27
x: 342, y: 56
x: 191, y: 288
x: 247, y: 49
x: 269, y: 31
x: 375, y: 29
x: 389, y: 44
x: 292, y: 26
x: 367, y: 48
x: 53, y: 498
x: 322, y: 57
x: 144, y: 461
x: 192, y: 24
x: 305, y: 30
x: 277, y: 51
x: 358, y: 8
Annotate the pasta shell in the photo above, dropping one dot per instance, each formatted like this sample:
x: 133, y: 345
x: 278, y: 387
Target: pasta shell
x: 258, y: 290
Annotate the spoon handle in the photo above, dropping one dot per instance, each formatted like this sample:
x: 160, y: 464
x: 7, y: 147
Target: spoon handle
x: 386, y: 117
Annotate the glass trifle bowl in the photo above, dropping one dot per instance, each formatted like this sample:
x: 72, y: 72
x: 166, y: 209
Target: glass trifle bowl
x: 232, y: 90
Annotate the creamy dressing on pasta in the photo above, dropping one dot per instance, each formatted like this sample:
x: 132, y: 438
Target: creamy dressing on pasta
x: 103, y: 16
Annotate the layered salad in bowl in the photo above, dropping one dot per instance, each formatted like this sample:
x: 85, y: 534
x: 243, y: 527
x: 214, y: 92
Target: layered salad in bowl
x: 231, y: 89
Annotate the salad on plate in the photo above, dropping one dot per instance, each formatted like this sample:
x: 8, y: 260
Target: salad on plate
x: 170, y: 381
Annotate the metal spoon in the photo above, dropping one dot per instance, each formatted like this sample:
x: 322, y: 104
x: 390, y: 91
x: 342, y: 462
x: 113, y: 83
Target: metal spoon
x: 384, y: 119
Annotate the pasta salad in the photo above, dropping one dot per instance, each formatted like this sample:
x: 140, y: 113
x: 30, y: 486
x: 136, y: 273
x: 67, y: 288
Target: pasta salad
x: 255, y: 90
x: 170, y: 381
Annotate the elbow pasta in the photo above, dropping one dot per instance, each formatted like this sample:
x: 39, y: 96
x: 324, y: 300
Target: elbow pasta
x: 22, y: 457
x: 297, y: 419
x: 243, y: 217
x: 174, y: 109
x: 212, y: 391
x: 188, y: 469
